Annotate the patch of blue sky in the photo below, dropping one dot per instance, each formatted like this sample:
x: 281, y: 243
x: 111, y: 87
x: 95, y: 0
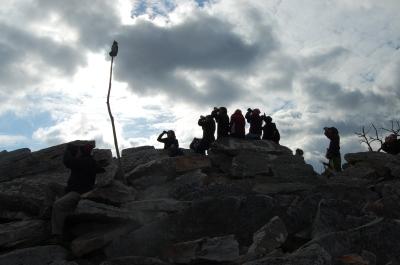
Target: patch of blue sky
x: 160, y: 7
x: 14, y: 125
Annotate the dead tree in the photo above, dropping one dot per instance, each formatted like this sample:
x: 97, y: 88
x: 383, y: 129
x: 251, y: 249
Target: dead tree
x: 366, y: 138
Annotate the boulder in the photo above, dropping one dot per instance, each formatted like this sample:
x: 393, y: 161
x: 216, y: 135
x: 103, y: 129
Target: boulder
x: 269, y: 237
x: 243, y: 159
x: 217, y: 249
x: 115, y: 193
x: 161, y: 167
x: 96, y: 240
x: 379, y: 237
x: 311, y: 255
x: 191, y: 162
x: 240, y: 216
x: 385, y: 165
x: 134, y: 260
x: 337, y: 215
x: 23, y: 163
x: 159, y: 205
x: 23, y: 233
x: 132, y: 157
x: 30, y: 196
x: 53, y: 255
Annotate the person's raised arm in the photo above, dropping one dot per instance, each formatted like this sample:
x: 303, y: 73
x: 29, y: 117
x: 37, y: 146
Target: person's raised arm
x: 160, y: 137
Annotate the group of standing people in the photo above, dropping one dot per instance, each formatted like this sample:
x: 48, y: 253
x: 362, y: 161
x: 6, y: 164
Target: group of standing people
x: 261, y: 127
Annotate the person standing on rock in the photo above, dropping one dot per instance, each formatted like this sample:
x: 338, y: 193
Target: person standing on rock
x: 82, y: 179
x: 170, y: 143
x: 237, y: 125
x: 270, y: 132
x: 253, y: 117
x: 222, y: 119
x: 333, y: 151
x: 207, y: 124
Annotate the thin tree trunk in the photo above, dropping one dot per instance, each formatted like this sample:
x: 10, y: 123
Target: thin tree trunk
x: 112, y: 118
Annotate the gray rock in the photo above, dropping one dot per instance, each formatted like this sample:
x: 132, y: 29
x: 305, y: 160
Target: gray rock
x: 384, y: 164
x: 269, y: 237
x: 95, y: 240
x: 35, y: 256
x: 134, y: 260
x: 240, y: 216
x: 217, y: 249
x: 161, y: 167
x: 311, y: 255
x: 337, y: 215
x: 132, y: 157
x: 159, y: 205
x: 31, y: 195
x: 23, y: 233
x: 242, y: 159
x: 116, y: 193
x: 367, y: 237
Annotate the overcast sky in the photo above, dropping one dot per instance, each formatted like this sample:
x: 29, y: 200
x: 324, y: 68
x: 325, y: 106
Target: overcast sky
x: 308, y: 64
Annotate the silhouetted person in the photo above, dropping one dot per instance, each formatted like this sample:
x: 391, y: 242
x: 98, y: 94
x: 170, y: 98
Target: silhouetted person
x: 221, y: 117
x: 237, y: 124
x: 391, y: 145
x: 170, y: 143
x: 82, y: 179
x: 208, y: 126
x: 253, y: 117
x: 333, y: 151
x: 299, y: 152
x: 270, y: 132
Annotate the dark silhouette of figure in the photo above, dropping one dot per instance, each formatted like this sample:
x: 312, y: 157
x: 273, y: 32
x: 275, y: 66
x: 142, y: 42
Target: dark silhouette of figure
x: 237, y: 124
x: 82, y: 179
x: 170, y: 143
x: 391, y: 145
x: 222, y: 119
x: 299, y: 152
x: 253, y: 117
x: 333, y: 151
x: 207, y: 124
x: 270, y: 132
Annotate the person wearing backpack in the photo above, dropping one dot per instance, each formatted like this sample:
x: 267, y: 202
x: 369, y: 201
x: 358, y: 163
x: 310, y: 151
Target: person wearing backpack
x: 270, y: 132
x: 333, y: 151
x: 237, y: 125
x: 207, y: 124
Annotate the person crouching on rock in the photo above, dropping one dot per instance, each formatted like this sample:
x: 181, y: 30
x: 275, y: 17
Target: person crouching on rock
x: 82, y: 179
x: 333, y: 151
x: 170, y: 143
x: 207, y: 124
x: 391, y: 145
x: 253, y: 117
x: 270, y: 132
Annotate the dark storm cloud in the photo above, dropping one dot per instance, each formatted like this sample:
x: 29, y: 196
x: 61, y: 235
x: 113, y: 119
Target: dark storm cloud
x: 20, y: 49
x: 336, y: 97
x: 95, y: 21
x: 152, y: 57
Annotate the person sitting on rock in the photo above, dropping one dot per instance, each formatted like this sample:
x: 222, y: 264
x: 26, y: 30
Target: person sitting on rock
x: 391, y: 145
x: 333, y: 151
x: 222, y: 119
x: 253, y: 117
x: 170, y: 143
x: 82, y: 179
x: 207, y: 124
x: 270, y: 132
x: 237, y: 124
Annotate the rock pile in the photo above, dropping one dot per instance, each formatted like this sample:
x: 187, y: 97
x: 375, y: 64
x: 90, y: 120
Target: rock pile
x: 247, y: 202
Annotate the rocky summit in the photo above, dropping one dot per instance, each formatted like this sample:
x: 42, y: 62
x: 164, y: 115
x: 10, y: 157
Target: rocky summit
x: 246, y: 202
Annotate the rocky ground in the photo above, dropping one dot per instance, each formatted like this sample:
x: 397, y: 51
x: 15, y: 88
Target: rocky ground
x: 248, y: 202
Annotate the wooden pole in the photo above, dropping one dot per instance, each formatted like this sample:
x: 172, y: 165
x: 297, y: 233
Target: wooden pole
x: 112, y: 118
